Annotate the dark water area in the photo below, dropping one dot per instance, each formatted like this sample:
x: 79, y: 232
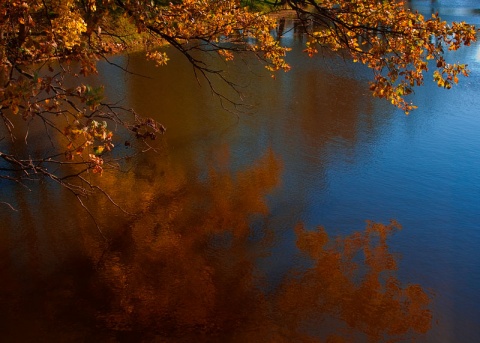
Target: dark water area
x: 312, y: 213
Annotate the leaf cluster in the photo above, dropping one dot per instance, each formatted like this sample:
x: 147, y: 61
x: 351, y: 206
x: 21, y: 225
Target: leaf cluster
x: 394, y: 42
x: 45, y: 44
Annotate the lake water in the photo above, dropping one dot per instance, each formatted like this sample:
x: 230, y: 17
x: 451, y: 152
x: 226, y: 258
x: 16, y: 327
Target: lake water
x: 265, y: 224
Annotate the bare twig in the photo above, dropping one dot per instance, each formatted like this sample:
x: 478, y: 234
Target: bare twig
x: 9, y: 205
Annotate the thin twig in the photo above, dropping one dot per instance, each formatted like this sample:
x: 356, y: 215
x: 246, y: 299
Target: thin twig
x: 9, y: 205
x: 92, y: 216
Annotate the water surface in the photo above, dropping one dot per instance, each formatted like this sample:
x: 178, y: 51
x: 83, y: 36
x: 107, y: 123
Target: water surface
x: 251, y: 225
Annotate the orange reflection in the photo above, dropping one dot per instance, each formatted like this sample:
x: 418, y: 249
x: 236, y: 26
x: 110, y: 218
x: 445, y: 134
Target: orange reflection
x: 190, y: 275
x: 191, y: 271
x: 187, y: 270
x: 352, y: 286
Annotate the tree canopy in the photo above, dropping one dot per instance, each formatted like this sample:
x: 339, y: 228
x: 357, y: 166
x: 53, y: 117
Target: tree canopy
x: 40, y: 40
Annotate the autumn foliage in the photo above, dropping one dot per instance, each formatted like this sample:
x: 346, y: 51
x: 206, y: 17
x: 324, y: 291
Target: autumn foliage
x: 47, y: 46
x: 396, y: 43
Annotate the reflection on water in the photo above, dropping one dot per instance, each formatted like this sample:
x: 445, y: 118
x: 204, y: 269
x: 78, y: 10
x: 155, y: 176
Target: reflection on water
x: 188, y: 271
x: 223, y: 243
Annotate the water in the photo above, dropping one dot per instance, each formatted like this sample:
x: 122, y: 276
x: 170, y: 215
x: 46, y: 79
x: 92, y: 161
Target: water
x: 221, y: 246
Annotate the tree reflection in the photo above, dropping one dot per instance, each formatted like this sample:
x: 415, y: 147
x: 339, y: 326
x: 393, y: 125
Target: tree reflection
x: 195, y: 277
x: 192, y: 269
x: 352, y: 286
x: 188, y: 270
